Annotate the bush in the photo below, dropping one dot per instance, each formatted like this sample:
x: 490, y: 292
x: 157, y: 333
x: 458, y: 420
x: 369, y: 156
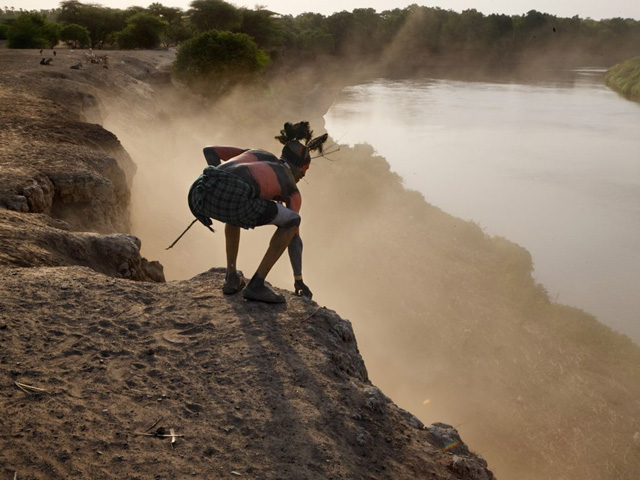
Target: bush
x: 31, y: 30
x: 213, y: 61
x: 142, y: 31
x: 75, y: 35
x: 625, y: 78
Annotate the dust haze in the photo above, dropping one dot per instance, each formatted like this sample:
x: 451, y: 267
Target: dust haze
x: 449, y: 321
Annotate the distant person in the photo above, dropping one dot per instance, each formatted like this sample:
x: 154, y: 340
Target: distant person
x: 247, y: 191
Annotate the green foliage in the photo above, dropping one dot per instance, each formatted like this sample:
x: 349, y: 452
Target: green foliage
x: 261, y: 25
x: 168, y: 14
x: 101, y: 22
x: 625, y: 78
x: 408, y: 38
x: 414, y: 34
x: 75, y: 35
x: 31, y: 30
x: 211, y: 62
x: 177, y: 30
x: 175, y: 33
x: 214, y: 15
x: 4, y: 31
x: 143, y: 31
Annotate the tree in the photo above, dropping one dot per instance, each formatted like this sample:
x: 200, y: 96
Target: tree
x: 214, y: 15
x: 143, y: 31
x: 260, y: 25
x: 339, y: 26
x: 31, y: 30
x: 175, y: 34
x: 75, y: 35
x: 101, y: 22
x: 177, y: 31
x: 213, y: 61
x: 168, y: 14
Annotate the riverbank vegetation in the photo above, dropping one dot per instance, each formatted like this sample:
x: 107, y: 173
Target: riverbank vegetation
x: 401, y: 40
x: 213, y: 61
x: 625, y: 78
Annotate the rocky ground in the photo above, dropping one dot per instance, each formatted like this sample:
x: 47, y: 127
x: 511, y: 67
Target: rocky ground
x: 103, y: 376
x: 96, y: 371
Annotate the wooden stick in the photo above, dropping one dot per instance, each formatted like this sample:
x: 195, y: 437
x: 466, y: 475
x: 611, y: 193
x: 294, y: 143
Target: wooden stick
x: 156, y: 422
x: 182, y: 234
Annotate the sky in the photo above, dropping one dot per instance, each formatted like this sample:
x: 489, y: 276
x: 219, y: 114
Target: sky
x: 596, y: 9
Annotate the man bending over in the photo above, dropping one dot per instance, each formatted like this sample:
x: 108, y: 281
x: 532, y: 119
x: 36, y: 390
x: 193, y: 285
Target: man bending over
x: 248, y: 190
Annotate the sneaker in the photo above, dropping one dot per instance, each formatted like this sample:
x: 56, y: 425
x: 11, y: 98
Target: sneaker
x: 233, y: 283
x: 262, y: 293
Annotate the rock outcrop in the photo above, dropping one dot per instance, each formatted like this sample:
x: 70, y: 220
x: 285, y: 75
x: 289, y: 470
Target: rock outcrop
x: 37, y: 240
x: 74, y: 173
x: 61, y: 166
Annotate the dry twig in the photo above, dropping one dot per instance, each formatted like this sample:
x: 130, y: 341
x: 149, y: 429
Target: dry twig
x: 314, y: 312
x: 155, y: 423
x: 158, y: 435
x: 29, y: 388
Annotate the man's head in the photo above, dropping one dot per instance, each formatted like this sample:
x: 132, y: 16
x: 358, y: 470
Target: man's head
x: 298, y: 157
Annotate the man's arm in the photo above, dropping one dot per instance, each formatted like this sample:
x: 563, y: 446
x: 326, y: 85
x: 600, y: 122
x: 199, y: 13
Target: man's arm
x: 214, y: 154
x: 295, y: 255
x: 294, y: 202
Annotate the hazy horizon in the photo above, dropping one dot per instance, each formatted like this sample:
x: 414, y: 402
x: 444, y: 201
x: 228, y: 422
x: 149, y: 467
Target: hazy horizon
x: 567, y: 8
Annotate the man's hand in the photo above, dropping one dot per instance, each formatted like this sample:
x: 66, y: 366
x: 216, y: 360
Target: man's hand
x: 302, y: 290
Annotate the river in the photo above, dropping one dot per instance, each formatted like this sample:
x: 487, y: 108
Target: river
x: 553, y: 165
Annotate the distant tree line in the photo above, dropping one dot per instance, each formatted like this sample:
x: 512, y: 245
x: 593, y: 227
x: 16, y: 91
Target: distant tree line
x: 400, y: 38
x: 362, y: 32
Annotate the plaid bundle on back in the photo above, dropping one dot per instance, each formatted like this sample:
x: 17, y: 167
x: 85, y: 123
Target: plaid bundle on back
x: 225, y: 197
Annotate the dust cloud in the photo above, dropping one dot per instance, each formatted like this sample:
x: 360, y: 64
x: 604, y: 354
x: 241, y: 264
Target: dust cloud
x: 449, y: 321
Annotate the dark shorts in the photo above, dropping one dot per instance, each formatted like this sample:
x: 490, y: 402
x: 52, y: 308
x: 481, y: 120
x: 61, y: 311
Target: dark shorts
x: 229, y: 199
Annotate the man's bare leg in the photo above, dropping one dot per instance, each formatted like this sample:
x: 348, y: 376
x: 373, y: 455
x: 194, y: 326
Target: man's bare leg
x: 257, y: 290
x: 233, y: 281
x: 232, y: 239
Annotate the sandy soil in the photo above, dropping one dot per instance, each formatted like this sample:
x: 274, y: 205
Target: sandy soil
x: 267, y: 392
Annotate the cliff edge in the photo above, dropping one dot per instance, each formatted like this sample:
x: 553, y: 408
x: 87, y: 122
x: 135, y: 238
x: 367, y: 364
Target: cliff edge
x: 98, y: 372
x: 106, y: 377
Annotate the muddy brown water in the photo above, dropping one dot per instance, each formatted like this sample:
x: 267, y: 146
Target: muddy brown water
x: 551, y: 164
